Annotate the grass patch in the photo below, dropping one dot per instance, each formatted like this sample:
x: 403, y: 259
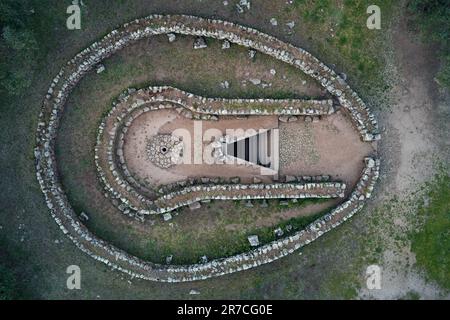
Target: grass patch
x: 431, y: 242
x: 342, y: 37
x: 7, y: 284
x: 225, y: 232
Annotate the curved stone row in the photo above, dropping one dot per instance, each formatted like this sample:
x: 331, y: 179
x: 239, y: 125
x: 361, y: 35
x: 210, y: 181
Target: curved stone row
x: 221, y: 106
x: 189, y: 195
x: 176, y: 186
x: 117, y: 180
x: 70, y: 75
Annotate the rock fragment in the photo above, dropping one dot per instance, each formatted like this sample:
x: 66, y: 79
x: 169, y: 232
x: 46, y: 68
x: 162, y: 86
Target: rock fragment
x: 253, y: 240
x: 195, y: 206
x: 226, y: 44
x: 252, y: 54
x: 200, y: 43
x: 290, y: 24
x: 100, y: 68
x: 171, y: 37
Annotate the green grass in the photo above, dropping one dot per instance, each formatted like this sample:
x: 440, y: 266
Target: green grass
x: 342, y: 38
x: 431, y: 242
x: 342, y: 285
x: 187, y: 245
x: 8, y: 290
x: 411, y: 295
x: 298, y: 223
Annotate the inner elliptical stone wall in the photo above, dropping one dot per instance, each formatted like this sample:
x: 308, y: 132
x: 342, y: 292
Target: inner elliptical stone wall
x: 120, y: 184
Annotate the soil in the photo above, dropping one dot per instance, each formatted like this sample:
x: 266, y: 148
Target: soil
x: 410, y: 147
x: 166, y: 122
x: 330, y: 146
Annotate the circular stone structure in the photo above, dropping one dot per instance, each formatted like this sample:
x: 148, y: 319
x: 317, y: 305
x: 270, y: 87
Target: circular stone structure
x: 165, y: 150
x: 88, y: 59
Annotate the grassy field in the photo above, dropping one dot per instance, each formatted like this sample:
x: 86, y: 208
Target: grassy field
x: 338, y: 34
x: 34, y: 254
x: 431, y: 241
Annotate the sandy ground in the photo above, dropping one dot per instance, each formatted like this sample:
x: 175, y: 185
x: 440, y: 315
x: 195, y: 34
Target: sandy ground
x: 168, y: 122
x: 330, y: 146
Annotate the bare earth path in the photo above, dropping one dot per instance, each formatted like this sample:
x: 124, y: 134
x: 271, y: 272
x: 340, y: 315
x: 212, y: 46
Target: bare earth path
x: 411, y: 145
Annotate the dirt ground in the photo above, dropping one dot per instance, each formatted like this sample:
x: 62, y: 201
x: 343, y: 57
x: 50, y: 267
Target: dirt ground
x: 330, y: 146
x: 167, y: 122
x: 410, y: 148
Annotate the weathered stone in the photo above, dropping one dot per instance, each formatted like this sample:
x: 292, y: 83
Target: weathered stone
x: 60, y: 210
x: 195, y: 206
x: 100, y: 68
x: 290, y: 178
x: 226, y: 44
x: 278, y: 232
x: 200, y: 43
x: 245, y: 4
x: 291, y: 24
x: 283, y: 118
x: 171, y: 37
x: 235, y: 180
x: 84, y: 216
x: 256, y: 180
x: 253, y: 240
x: 225, y: 84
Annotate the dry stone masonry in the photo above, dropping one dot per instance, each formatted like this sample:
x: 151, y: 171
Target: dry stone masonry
x: 120, y: 184
x: 164, y: 150
x: 88, y: 59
